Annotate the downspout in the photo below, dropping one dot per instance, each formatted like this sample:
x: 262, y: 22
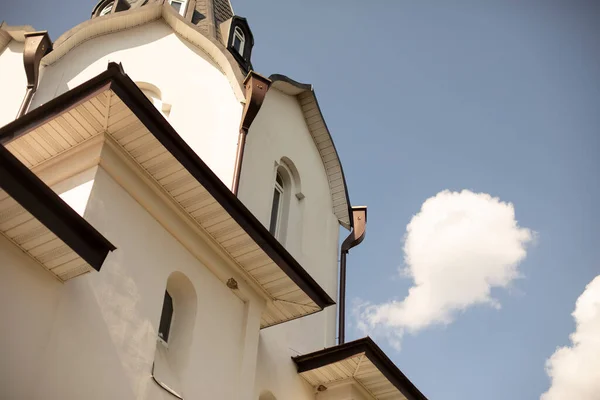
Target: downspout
x: 37, y: 45
x: 359, y: 217
x: 256, y: 88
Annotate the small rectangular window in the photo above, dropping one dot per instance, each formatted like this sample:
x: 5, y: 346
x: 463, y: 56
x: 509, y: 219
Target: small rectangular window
x: 179, y: 6
x: 166, y: 317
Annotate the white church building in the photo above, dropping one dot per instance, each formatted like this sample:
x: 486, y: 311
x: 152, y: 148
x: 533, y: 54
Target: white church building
x: 170, y: 219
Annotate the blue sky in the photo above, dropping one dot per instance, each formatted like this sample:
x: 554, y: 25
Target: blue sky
x: 497, y: 97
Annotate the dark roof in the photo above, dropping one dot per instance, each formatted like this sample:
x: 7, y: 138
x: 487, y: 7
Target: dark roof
x: 49, y: 209
x: 114, y: 78
x: 367, y: 346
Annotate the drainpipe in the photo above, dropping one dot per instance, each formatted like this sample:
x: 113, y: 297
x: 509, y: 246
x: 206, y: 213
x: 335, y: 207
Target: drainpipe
x: 256, y: 88
x: 359, y: 217
x: 37, y: 45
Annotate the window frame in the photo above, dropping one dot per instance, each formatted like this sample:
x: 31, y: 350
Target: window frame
x: 238, y: 33
x: 107, y: 9
x: 274, y: 226
x: 160, y: 336
x: 183, y: 8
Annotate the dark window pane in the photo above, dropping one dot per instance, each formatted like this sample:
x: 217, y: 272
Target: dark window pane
x: 279, y: 180
x: 274, y: 212
x: 237, y: 44
x: 166, y: 317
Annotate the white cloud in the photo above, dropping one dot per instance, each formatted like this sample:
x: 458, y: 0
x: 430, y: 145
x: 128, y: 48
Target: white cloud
x: 457, y: 248
x: 575, y: 370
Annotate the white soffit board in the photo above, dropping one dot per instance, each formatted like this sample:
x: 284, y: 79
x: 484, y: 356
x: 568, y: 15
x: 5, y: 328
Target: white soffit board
x: 37, y: 241
x: 360, y: 369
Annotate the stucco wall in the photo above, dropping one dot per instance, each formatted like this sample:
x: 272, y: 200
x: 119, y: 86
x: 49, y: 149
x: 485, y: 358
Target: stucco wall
x: 278, y: 131
x: 29, y: 300
x: 205, y: 111
x: 13, y: 81
x: 94, y: 337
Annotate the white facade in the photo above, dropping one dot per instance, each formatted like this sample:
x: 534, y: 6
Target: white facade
x: 95, y: 336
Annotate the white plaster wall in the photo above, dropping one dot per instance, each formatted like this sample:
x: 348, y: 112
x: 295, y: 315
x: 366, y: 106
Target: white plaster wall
x: 276, y: 372
x: 205, y: 111
x: 13, y: 81
x: 29, y: 301
x: 280, y: 130
x: 94, y: 336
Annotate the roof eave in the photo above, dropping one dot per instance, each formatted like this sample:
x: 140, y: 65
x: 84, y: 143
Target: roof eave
x: 365, y: 345
x: 49, y: 209
x: 115, y: 78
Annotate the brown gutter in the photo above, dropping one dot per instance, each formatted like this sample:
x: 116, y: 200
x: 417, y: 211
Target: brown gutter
x: 359, y: 217
x: 37, y: 45
x: 256, y: 89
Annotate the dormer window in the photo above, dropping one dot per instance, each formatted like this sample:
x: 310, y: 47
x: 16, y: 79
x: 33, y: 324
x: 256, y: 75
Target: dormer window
x: 179, y: 6
x: 107, y: 9
x: 239, y: 40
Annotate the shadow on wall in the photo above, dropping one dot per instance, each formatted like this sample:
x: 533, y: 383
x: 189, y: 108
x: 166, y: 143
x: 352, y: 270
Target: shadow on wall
x: 267, y: 396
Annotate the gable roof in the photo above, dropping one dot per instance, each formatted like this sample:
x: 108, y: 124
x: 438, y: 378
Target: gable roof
x: 364, y: 362
x: 111, y: 104
x: 322, y: 138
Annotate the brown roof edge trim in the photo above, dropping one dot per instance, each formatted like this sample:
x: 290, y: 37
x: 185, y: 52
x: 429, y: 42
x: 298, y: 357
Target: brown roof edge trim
x: 287, y: 79
x: 309, y: 87
x: 116, y: 79
x: 45, y: 205
x: 58, y: 105
x: 133, y: 97
x: 335, y: 354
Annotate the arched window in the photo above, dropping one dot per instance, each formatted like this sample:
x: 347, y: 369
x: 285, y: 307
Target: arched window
x: 107, y: 8
x: 284, y: 203
x: 179, y: 6
x: 277, y: 206
x: 175, y: 333
x: 239, y: 40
